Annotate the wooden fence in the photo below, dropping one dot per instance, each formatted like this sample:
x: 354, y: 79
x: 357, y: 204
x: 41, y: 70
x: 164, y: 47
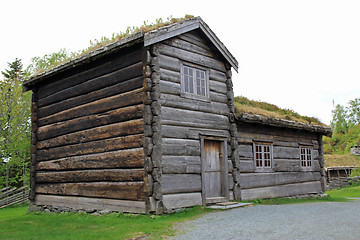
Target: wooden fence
x: 9, y: 196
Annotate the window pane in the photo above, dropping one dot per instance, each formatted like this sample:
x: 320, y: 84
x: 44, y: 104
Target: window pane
x: 191, y: 84
x: 267, y: 163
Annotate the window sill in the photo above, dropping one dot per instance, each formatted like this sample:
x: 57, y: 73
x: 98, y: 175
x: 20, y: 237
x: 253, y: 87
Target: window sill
x: 195, y: 97
x: 306, y: 169
x: 264, y: 170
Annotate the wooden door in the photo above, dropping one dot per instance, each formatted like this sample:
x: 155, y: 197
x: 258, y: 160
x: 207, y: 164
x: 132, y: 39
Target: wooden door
x: 213, y: 186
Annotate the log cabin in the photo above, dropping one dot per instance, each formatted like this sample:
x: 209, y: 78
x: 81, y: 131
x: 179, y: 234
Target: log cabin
x: 147, y: 124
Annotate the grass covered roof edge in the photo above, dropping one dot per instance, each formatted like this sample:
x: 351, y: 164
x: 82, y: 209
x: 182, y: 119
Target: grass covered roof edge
x: 259, y: 112
x: 149, y: 34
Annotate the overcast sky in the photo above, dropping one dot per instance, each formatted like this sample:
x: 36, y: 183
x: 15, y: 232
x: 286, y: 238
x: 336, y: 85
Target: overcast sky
x: 297, y: 54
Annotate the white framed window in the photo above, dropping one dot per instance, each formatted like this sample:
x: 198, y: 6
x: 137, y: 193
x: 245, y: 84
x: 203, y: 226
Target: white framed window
x: 263, y: 155
x: 306, y: 157
x: 194, y: 81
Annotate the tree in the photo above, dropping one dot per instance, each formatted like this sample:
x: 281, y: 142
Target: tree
x: 339, y: 123
x: 48, y: 61
x: 354, y: 112
x: 15, y: 122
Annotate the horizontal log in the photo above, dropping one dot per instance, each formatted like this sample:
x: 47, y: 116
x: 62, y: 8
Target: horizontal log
x: 112, y: 190
x: 93, y: 134
x: 108, y: 175
x: 191, y: 57
x: 209, y: 126
x: 281, y: 190
x: 246, y: 151
x: 218, y: 97
x: 182, y: 200
x: 170, y: 87
x: 170, y: 76
x: 169, y: 63
x: 83, y: 203
x: 190, y: 47
x: 196, y: 40
x: 175, y: 101
x: 196, y: 118
x: 247, y: 166
x: 90, y: 121
x: 111, y: 144
x: 256, y: 180
x: 88, y: 93
x: 180, y: 147
x: 126, y: 59
x: 180, y: 183
x: 216, y: 75
x: 286, y: 165
x: 118, y: 101
x: 190, y: 132
x: 181, y: 164
x: 219, y: 87
x: 286, y: 152
x: 128, y: 158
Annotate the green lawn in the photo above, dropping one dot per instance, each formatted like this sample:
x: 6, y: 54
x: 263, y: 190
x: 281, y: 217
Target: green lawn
x: 338, y: 195
x: 16, y: 223
x: 346, y: 192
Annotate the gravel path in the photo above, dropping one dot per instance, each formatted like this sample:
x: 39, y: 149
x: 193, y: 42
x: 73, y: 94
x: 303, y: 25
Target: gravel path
x: 296, y: 221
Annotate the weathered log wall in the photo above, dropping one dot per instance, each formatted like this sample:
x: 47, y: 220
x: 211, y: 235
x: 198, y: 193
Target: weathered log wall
x: 286, y: 177
x: 90, y: 134
x: 185, y: 119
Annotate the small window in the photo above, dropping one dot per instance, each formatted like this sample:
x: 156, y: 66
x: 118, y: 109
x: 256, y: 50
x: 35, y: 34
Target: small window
x: 194, y: 81
x: 263, y: 155
x: 305, y: 157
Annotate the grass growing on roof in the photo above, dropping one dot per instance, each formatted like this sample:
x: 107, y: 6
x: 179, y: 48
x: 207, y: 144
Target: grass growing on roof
x: 347, y: 160
x: 245, y: 105
x: 49, y: 61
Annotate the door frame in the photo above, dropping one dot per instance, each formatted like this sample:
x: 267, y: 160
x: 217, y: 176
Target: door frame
x: 223, y: 166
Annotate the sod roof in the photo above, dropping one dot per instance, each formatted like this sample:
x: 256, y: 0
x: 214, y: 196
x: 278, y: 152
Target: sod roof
x: 269, y: 114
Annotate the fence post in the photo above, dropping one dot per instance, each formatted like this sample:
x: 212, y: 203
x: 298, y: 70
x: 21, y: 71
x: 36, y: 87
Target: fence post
x: 7, y: 182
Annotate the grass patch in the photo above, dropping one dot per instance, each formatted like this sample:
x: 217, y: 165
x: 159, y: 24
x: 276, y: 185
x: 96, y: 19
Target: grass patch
x: 346, y: 192
x: 283, y: 201
x: 338, y: 195
x: 16, y: 223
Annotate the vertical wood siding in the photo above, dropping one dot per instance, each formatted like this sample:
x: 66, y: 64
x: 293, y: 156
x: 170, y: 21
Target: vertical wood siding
x: 91, y: 130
